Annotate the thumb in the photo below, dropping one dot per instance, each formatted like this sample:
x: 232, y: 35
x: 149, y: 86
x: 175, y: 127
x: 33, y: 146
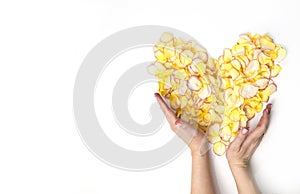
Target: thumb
x: 169, y: 114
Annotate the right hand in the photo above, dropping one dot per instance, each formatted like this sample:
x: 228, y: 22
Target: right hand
x: 244, y: 145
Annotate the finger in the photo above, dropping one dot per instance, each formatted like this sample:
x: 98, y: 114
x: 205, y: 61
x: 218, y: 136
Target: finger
x: 250, y: 148
x: 170, y: 115
x: 255, y: 137
x: 238, y: 141
x: 263, y: 123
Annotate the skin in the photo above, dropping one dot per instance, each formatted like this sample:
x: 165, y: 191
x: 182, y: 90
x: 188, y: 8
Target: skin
x: 201, y: 174
x: 238, y: 153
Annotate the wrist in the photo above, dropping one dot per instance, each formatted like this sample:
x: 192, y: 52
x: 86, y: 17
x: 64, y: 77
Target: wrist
x: 200, y: 149
x: 243, y: 179
x: 238, y: 170
x: 198, y: 154
x: 238, y: 165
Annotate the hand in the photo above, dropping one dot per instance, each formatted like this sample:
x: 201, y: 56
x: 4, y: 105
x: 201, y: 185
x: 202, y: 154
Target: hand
x: 191, y: 135
x: 244, y: 145
x: 202, y: 181
x: 240, y: 151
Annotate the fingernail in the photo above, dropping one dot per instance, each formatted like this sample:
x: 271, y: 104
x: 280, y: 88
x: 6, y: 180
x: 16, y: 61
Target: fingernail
x: 244, y: 131
x: 177, y: 122
x: 269, y: 109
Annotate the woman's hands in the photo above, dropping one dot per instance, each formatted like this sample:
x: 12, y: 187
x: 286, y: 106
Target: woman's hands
x: 238, y: 153
x: 244, y: 145
x: 191, y: 135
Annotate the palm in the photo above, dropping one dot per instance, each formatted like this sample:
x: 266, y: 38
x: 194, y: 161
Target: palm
x: 189, y: 134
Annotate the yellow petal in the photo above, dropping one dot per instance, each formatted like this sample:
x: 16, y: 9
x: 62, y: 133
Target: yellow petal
x: 237, y: 50
x: 275, y: 70
x: 252, y: 68
x: 201, y: 67
x: 186, y: 58
x: 166, y: 37
x: 169, y: 52
x: 266, y: 93
x: 194, y: 83
x: 266, y: 43
x: 178, y: 42
x: 243, y: 120
x: 262, y: 83
x: 180, y: 74
x: 160, y: 56
x: 250, y: 112
x: 234, y: 127
x: 207, y: 117
x: 213, y: 133
x: 174, y: 101
x: 235, y: 115
x: 227, y: 55
x: 219, y: 148
x: 281, y: 54
x: 205, y: 92
x: 248, y: 91
x: 263, y: 59
x: 236, y: 64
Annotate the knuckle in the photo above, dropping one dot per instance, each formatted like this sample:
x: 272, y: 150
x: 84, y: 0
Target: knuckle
x: 233, y: 148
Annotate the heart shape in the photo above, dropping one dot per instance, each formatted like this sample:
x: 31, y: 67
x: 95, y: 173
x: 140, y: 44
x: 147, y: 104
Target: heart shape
x: 218, y: 96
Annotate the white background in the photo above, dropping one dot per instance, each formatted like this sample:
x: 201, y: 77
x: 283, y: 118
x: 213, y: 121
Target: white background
x: 42, y: 45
